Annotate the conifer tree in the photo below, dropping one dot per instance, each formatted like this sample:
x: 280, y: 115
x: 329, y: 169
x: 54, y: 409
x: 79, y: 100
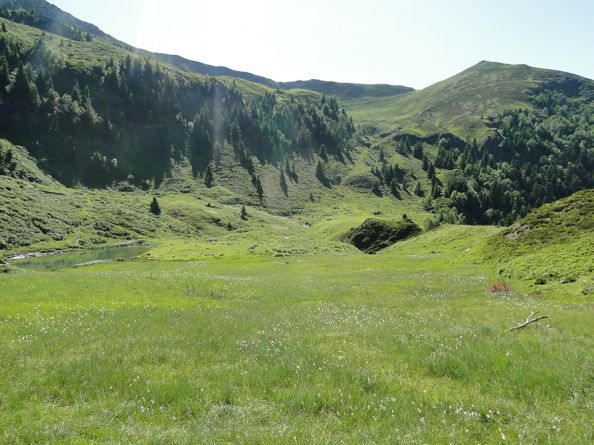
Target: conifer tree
x: 323, y: 153
x: 425, y: 163
x: 209, y: 177
x: 283, y: 183
x: 394, y: 188
x: 244, y: 213
x: 375, y: 188
x: 155, y: 208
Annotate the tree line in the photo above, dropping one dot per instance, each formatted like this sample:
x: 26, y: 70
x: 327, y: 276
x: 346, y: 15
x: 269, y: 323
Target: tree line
x: 129, y: 119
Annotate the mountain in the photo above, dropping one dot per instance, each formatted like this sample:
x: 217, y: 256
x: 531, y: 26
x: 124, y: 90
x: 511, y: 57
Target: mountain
x: 50, y: 18
x: 54, y: 20
x: 96, y: 114
x: 45, y: 9
x: 483, y: 147
x: 464, y: 104
x: 347, y: 90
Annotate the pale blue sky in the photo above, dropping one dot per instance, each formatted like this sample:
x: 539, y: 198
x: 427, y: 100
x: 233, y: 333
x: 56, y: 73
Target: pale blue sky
x: 407, y: 42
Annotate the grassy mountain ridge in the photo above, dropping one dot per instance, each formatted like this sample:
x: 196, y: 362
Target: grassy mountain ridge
x: 96, y: 113
x: 58, y: 19
x: 107, y: 115
x: 463, y: 104
x: 346, y: 90
x: 553, y: 243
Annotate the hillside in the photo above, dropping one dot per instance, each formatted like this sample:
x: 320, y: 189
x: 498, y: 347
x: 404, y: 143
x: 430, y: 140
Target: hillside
x: 52, y: 19
x: 97, y: 114
x: 347, y: 90
x: 483, y: 147
x: 465, y: 103
x: 554, y: 243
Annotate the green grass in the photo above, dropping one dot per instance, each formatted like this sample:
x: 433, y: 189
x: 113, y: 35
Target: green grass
x: 551, y: 245
x: 459, y: 105
x: 394, y: 348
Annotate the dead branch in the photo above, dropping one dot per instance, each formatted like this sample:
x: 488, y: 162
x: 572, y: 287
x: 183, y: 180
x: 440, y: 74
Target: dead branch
x: 528, y: 322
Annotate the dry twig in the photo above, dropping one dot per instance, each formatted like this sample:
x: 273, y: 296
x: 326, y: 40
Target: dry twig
x: 528, y: 322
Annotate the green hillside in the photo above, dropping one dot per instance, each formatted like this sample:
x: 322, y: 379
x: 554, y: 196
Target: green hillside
x: 346, y: 90
x: 554, y: 243
x: 97, y: 114
x: 463, y: 104
x: 190, y: 254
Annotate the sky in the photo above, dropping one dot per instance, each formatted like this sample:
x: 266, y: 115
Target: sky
x: 403, y: 42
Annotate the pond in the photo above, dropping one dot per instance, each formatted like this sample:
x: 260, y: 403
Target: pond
x: 82, y: 258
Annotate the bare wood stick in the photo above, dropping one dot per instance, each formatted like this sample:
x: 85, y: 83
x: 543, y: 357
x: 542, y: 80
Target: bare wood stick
x: 528, y: 322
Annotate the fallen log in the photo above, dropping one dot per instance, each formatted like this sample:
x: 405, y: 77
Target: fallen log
x: 528, y: 322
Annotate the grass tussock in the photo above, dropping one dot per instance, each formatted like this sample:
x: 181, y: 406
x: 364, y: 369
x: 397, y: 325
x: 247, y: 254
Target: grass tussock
x: 499, y: 286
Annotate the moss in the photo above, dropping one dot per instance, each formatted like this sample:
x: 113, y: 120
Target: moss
x: 375, y: 234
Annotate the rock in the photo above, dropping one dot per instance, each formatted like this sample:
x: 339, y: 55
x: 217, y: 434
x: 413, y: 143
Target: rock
x: 375, y: 234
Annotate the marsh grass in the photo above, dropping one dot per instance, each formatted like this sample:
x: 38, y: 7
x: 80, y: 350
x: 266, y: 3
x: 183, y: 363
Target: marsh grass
x: 326, y: 349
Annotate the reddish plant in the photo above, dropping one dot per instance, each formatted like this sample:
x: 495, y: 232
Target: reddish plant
x: 499, y: 286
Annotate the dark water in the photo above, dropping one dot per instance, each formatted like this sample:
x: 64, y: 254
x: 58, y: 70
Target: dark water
x: 82, y: 258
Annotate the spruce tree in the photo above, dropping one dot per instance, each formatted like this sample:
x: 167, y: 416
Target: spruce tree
x: 394, y: 188
x: 244, y: 213
x: 323, y: 153
x: 375, y: 188
x: 155, y: 208
x: 418, y: 151
x: 283, y: 183
x: 4, y: 74
x: 258, y: 185
x: 209, y: 177
x: 418, y: 189
x: 4, y: 27
x: 425, y: 163
x: 431, y: 171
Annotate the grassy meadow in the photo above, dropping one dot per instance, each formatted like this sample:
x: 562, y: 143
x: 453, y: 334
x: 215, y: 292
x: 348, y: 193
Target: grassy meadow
x: 401, y: 347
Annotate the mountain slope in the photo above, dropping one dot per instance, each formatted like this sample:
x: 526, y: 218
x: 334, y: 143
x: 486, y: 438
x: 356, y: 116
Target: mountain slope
x: 553, y: 243
x: 60, y: 21
x: 463, y: 104
x: 95, y: 113
x: 347, y: 90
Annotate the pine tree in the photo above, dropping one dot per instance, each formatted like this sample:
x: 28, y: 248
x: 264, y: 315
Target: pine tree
x: 283, y: 183
x: 4, y: 27
x: 321, y: 174
x: 244, y: 213
x: 155, y: 208
x: 394, y: 188
x: 4, y: 74
x: 258, y: 185
x: 425, y: 163
x: 418, y: 189
x: 323, y: 153
x: 418, y: 151
x: 431, y: 171
x: 209, y: 177
x: 375, y: 188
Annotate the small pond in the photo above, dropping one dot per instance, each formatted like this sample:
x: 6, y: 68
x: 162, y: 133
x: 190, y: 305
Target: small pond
x: 82, y: 258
